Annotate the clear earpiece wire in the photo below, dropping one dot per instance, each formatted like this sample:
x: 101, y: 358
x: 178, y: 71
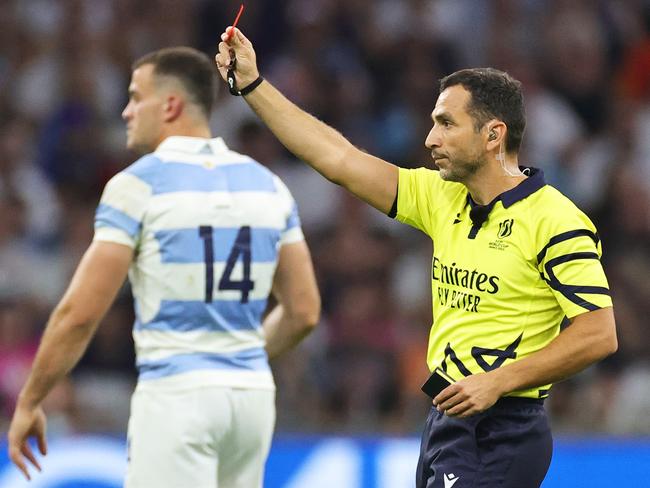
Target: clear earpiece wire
x: 501, y: 157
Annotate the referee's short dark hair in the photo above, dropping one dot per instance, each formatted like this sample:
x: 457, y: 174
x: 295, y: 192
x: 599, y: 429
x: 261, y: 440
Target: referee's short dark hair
x: 494, y: 95
x: 188, y: 65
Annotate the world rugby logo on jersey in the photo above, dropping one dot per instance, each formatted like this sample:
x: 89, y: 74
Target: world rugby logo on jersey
x: 505, y: 228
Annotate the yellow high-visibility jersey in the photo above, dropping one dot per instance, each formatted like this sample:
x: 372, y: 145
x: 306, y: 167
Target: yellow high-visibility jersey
x: 501, y: 287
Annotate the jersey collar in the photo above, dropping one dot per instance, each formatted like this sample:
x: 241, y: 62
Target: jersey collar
x: 530, y: 185
x: 479, y: 213
x: 193, y: 145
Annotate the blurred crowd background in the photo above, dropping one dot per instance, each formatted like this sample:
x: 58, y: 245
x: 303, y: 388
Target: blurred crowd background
x: 369, y: 68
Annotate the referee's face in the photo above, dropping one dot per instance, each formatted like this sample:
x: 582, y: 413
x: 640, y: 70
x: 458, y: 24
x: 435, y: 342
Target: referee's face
x: 144, y: 112
x: 456, y: 147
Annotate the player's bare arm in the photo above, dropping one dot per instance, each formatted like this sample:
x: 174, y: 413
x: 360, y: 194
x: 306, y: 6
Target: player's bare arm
x: 93, y: 288
x: 323, y: 148
x: 298, y: 309
x: 589, y: 338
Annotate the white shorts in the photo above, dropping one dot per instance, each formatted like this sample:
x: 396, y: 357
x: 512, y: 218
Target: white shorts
x: 199, y: 438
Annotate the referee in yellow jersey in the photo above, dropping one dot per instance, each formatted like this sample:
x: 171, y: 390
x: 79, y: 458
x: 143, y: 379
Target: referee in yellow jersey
x: 513, y: 259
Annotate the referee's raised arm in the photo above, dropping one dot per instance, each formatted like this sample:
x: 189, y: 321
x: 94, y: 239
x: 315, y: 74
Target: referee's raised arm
x: 319, y: 145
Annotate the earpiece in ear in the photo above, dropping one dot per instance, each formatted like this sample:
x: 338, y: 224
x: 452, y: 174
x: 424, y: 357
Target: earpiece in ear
x: 492, y: 135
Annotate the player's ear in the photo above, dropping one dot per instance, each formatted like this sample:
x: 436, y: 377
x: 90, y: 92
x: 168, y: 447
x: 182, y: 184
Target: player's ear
x: 172, y: 108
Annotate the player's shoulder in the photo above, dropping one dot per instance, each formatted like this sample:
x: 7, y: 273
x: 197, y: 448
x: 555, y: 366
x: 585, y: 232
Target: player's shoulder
x: 138, y: 176
x: 247, y: 167
x: 144, y: 168
x: 254, y: 165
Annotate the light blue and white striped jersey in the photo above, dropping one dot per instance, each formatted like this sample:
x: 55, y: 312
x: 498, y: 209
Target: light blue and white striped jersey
x: 206, y: 224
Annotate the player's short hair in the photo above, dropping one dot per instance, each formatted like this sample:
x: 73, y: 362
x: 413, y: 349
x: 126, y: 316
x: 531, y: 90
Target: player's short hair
x: 189, y: 66
x: 494, y: 94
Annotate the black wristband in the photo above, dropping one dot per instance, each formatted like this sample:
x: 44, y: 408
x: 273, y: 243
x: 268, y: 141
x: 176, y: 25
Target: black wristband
x: 247, y: 89
x: 232, y: 84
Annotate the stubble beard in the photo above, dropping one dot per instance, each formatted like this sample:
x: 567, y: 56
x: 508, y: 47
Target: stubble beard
x: 461, y: 170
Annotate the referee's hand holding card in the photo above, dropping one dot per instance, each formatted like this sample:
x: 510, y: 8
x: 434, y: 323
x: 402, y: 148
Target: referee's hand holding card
x: 237, y: 62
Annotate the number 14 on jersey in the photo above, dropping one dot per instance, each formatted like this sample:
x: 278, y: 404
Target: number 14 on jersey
x: 241, y: 249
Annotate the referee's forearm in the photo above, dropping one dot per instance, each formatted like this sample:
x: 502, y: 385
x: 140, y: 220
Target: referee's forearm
x: 311, y: 140
x: 371, y: 179
x: 590, y: 338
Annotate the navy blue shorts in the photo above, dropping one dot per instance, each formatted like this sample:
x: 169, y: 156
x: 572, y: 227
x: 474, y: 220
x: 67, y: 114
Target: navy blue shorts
x: 507, y: 446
